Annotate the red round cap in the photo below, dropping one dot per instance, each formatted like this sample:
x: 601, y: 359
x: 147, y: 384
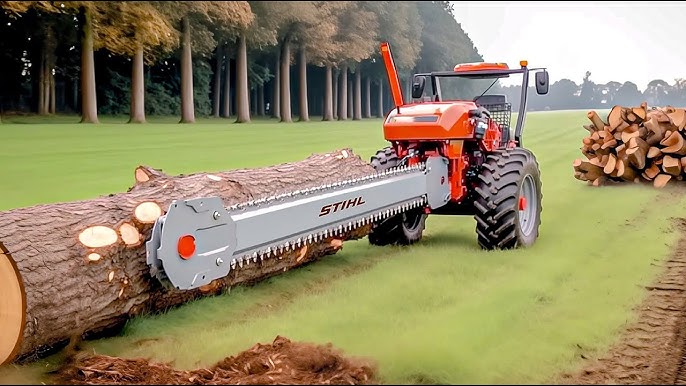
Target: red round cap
x: 186, y: 246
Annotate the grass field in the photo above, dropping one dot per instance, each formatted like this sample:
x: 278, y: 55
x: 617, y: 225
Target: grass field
x: 441, y: 311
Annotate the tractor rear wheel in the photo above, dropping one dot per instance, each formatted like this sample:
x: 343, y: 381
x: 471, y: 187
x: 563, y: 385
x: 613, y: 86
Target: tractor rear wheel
x: 508, y: 204
x: 404, y: 228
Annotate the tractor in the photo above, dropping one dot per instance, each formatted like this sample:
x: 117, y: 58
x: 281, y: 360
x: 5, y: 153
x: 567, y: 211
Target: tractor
x: 491, y: 175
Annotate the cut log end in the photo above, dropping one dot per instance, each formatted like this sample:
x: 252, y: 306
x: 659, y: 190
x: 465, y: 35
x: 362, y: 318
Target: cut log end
x: 98, y: 236
x: 141, y: 176
x: 12, y: 308
x: 147, y: 212
x: 129, y: 234
x: 661, y: 180
x: 302, y: 253
x: 336, y: 243
x: 146, y: 173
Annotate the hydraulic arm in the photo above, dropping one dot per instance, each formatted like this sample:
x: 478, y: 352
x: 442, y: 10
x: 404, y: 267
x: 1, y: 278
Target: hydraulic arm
x: 199, y: 240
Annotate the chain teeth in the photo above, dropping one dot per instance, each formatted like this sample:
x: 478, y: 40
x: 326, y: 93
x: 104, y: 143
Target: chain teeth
x: 278, y: 250
x: 334, y: 185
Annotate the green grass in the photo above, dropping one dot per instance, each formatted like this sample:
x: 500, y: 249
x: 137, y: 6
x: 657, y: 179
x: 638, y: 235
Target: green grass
x: 442, y: 311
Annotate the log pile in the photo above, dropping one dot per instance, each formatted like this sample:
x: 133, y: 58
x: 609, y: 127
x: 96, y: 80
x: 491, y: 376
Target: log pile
x: 635, y: 144
x: 72, y: 270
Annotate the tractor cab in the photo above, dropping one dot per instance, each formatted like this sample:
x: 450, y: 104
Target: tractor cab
x: 469, y: 85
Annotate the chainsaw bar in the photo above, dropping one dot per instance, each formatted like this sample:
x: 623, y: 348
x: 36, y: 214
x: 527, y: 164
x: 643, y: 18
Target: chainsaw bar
x: 232, y: 237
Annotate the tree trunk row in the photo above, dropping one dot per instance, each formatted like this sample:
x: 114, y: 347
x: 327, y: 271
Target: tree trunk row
x: 634, y: 144
x: 338, y: 102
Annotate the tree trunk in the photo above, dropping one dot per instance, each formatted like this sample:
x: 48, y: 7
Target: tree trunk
x: 90, y: 258
x: 357, y: 111
x: 137, y: 114
x: 227, y: 84
x: 302, y: 66
x: 53, y: 95
x: 368, y: 98
x: 50, y: 61
x: 253, y: 100
x: 89, y: 102
x: 343, y: 94
x: 187, y: 104
x: 41, y: 82
x: 334, y: 82
x: 260, y: 100
x: 276, y: 88
x: 75, y: 95
x: 242, y: 91
x: 328, y: 97
x: 216, y: 89
x: 380, y: 113
x: 46, y: 85
x: 286, y: 115
x: 351, y: 102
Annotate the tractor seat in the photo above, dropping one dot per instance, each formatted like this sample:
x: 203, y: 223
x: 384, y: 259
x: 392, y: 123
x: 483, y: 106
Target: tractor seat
x: 490, y: 100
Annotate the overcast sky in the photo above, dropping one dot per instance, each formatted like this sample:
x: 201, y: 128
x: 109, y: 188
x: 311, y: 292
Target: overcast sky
x: 621, y: 41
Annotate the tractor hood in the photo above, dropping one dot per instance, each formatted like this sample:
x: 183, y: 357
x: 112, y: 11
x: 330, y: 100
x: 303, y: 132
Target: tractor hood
x: 432, y: 120
x: 432, y: 108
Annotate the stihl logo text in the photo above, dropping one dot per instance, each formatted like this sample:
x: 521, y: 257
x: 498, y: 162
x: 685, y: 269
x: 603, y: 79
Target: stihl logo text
x: 345, y: 204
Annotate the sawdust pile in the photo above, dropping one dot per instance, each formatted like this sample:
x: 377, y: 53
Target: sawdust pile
x: 281, y: 362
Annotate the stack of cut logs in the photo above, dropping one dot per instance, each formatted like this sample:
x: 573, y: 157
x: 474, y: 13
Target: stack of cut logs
x: 636, y: 144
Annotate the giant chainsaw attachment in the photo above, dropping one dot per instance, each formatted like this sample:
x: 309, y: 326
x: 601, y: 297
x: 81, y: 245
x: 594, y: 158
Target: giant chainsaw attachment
x: 199, y: 240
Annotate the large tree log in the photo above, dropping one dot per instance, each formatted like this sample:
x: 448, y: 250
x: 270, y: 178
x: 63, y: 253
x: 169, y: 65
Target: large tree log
x: 79, y: 268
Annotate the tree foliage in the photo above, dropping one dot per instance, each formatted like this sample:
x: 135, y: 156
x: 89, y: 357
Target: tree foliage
x: 45, y: 46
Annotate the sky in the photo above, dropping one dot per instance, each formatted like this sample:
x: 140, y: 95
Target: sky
x: 620, y: 41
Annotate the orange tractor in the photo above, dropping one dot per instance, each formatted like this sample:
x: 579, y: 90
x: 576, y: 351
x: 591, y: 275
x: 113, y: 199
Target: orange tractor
x: 491, y: 175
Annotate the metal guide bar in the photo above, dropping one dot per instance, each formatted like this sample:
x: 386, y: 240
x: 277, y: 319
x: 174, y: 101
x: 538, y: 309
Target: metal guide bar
x: 261, y: 229
x: 278, y: 223
x: 326, y: 187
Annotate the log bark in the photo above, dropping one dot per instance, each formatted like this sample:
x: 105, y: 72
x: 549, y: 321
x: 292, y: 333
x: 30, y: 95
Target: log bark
x: 598, y: 123
x: 89, y: 256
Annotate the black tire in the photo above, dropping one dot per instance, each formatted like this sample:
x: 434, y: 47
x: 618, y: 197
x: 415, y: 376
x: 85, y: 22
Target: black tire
x: 404, y: 228
x: 505, y: 177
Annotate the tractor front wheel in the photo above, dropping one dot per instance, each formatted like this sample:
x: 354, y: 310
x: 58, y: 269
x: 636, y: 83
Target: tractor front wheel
x: 508, y: 205
x: 404, y: 228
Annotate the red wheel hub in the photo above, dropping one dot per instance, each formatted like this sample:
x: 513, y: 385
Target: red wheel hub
x: 522, y: 203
